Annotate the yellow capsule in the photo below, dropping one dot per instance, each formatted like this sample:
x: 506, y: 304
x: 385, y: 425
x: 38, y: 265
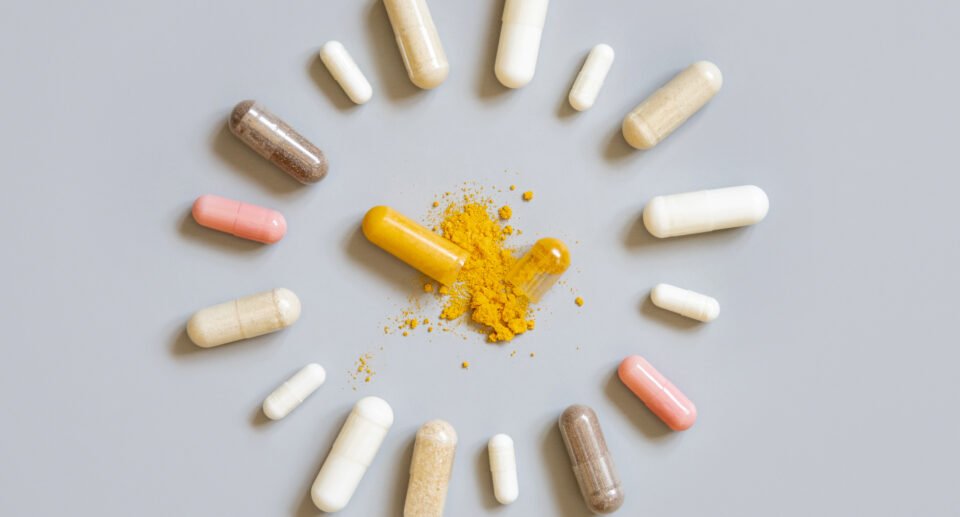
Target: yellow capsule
x: 540, y: 268
x: 410, y: 242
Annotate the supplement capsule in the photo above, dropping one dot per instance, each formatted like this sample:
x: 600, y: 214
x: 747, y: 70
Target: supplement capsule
x: 519, y: 46
x: 292, y: 393
x: 346, y: 72
x: 430, y: 469
x: 426, y: 251
x: 273, y: 139
x: 685, y: 303
x: 670, y: 106
x: 657, y: 393
x: 419, y: 42
x: 252, y: 222
x: 243, y: 318
x: 590, y: 79
x: 503, y: 468
x: 592, y: 463
x: 537, y: 271
x: 705, y: 211
x: 351, y: 454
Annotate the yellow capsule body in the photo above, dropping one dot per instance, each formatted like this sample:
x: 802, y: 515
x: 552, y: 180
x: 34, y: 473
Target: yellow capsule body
x: 537, y: 271
x: 410, y: 242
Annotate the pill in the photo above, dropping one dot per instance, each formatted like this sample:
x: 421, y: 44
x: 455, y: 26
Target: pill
x: 346, y: 72
x: 240, y: 219
x: 292, y: 393
x: 352, y: 453
x: 670, y: 106
x: 243, y: 318
x: 540, y: 268
x: 419, y: 42
x: 657, y: 393
x: 685, y: 303
x: 503, y: 468
x: 273, y: 139
x: 590, y: 79
x: 519, y: 46
x: 410, y: 242
x: 591, y: 461
x: 705, y: 211
x: 430, y: 469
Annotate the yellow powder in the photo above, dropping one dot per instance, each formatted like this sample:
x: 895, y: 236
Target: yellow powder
x: 412, y: 323
x: 436, y: 204
x: 505, y: 212
x: 528, y: 195
x: 513, y: 187
x: 428, y: 288
x: 465, y: 365
x: 508, y: 229
x: 579, y: 301
x: 405, y: 333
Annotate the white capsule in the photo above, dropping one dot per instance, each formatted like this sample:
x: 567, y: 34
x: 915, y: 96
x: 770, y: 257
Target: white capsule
x: 685, y: 303
x: 419, y: 42
x: 520, y: 41
x: 244, y: 318
x: 292, y: 393
x: 503, y: 467
x: 705, y: 211
x: 346, y: 72
x: 590, y: 79
x: 351, y: 454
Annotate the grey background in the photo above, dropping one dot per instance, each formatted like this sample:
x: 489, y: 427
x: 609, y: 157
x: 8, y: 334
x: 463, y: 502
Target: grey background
x: 828, y: 385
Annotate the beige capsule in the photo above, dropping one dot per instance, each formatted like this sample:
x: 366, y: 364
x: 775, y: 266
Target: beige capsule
x: 276, y: 141
x: 243, y: 318
x: 430, y: 469
x: 591, y: 460
x: 419, y: 42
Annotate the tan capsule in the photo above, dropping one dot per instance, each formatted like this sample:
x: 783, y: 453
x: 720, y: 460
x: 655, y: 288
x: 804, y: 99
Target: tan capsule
x: 592, y: 463
x: 243, y: 318
x: 430, y: 469
x: 273, y: 139
x: 419, y: 42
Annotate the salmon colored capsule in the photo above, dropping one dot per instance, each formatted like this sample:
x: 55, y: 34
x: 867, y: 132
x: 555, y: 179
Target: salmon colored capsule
x: 657, y: 393
x: 240, y: 219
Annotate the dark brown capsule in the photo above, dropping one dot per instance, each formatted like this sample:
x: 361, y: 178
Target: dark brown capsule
x: 592, y: 463
x: 273, y: 139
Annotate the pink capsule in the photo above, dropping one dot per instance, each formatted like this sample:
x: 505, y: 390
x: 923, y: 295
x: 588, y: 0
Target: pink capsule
x: 659, y: 394
x: 240, y: 219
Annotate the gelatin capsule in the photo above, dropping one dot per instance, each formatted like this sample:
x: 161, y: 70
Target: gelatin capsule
x: 419, y: 42
x: 592, y: 462
x: 243, y: 220
x: 243, y: 318
x: 685, y: 303
x: 430, y: 469
x: 346, y: 72
x: 657, y: 393
x: 292, y: 393
x: 519, y: 45
x: 503, y: 468
x: 670, y: 106
x: 352, y: 453
x: 536, y: 272
x: 705, y: 211
x: 273, y: 139
x: 590, y: 79
x: 410, y: 242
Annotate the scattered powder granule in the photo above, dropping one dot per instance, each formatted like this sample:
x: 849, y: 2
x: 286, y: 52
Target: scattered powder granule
x: 532, y: 354
x: 513, y: 187
x: 528, y: 195
x: 513, y: 354
x: 436, y: 204
x: 465, y: 365
x: 428, y: 288
x: 429, y: 329
x: 405, y: 333
x: 579, y: 301
x: 508, y: 230
x: 505, y: 212
x: 412, y: 323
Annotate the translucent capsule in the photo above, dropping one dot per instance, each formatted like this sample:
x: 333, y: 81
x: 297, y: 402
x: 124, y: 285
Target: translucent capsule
x: 244, y: 318
x: 670, y: 106
x: 430, y: 469
x: 346, y: 72
x: 352, y: 452
x: 657, y: 393
x: 592, y: 463
x: 685, y: 303
x: 273, y: 139
x: 705, y: 211
x: 419, y: 42
x: 410, y: 242
x: 252, y: 222
x: 519, y: 46
x: 536, y: 272
x: 292, y: 393
x: 590, y: 79
x: 503, y: 468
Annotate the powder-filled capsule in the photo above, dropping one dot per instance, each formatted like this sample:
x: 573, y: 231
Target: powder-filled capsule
x: 685, y: 303
x: 273, y: 139
x: 536, y: 272
x: 243, y: 220
x: 657, y: 393
x: 346, y: 72
x: 430, y: 469
x: 705, y: 211
x: 590, y: 79
x: 243, y: 318
x: 419, y: 42
x: 592, y: 462
x: 292, y: 393
x: 519, y: 45
x: 352, y: 452
x: 503, y: 468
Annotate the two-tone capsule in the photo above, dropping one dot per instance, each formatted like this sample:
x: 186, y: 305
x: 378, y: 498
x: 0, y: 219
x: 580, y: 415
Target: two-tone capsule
x: 289, y: 395
x: 243, y: 318
x: 590, y: 79
x: 430, y: 469
x: 536, y: 272
x: 419, y: 42
x: 243, y: 220
x: 591, y: 460
x: 705, y: 211
x: 657, y: 393
x: 685, y: 302
x: 503, y: 469
x: 519, y: 45
x: 276, y: 141
x: 346, y: 72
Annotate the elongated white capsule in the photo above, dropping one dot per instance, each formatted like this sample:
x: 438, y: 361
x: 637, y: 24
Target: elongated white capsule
x: 418, y: 41
x: 705, y: 211
x: 346, y: 72
x: 685, y: 303
x: 519, y: 46
x: 292, y: 393
x: 590, y: 79
x: 244, y: 318
x: 503, y: 467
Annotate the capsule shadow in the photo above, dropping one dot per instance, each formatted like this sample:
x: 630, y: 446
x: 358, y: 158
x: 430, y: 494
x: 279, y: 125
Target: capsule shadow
x: 240, y: 157
x: 636, y: 234
x: 617, y: 150
x: 192, y: 230
x: 488, y: 87
x: 181, y: 344
x: 564, y: 109
x: 331, y: 89
x: 672, y: 319
x: 635, y: 410
x: 258, y: 419
x: 485, y: 479
x: 567, y: 500
x: 378, y: 261
x: 387, y: 58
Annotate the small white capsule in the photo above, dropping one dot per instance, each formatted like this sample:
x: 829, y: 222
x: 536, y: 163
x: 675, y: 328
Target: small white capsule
x: 292, y: 393
x: 590, y: 79
x: 346, y: 72
x: 244, y: 318
x: 705, y: 211
x: 685, y: 303
x: 503, y: 467
x: 519, y: 46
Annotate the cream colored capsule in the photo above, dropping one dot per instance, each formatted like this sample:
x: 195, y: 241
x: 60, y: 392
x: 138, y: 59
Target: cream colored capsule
x: 503, y: 468
x: 685, y: 303
x: 430, y: 469
x: 590, y: 79
x: 346, y: 72
x: 670, y: 106
x: 292, y: 393
x: 519, y: 45
x: 419, y: 42
x: 705, y: 211
x: 244, y: 318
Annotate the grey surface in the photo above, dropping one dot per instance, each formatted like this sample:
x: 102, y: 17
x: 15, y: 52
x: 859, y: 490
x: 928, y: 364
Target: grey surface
x: 828, y: 386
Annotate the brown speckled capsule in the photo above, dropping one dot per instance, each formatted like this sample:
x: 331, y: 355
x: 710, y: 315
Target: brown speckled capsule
x: 592, y: 464
x: 430, y: 469
x: 273, y: 139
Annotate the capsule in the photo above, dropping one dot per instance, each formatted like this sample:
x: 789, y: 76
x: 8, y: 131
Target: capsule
x: 252, y: 222
x: 592, y: 463
x: 590, y: 79
x: 503, y: 468
x: 430, y: 469
x: 657, y: 393
x: 670, y: 106
x: 685, y: 303
x: 352, y: 452
x: 410, y: 242
x: 346, y: 72
x: 292, y: 393
x: 419, y: 42
x: 273, y: 139
x: 519, y: 46
x: 536, y: 272
x: 705, y: 211
x: 244, y: 318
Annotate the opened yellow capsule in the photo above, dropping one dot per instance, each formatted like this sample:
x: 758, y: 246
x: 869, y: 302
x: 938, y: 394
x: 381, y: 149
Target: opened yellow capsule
x: 537, y: 271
